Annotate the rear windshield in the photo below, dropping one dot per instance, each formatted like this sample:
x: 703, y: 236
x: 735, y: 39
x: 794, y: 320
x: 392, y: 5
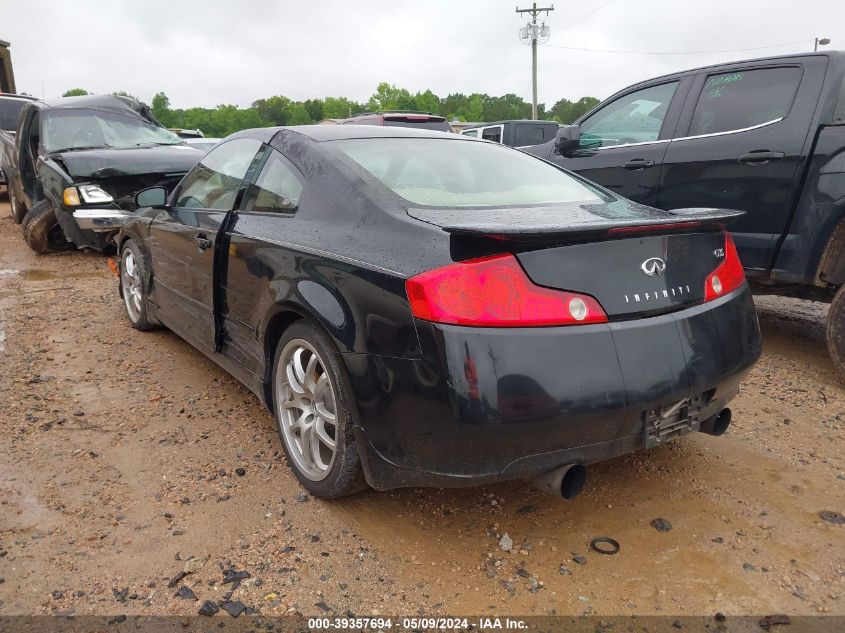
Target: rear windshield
x: 82, y: 129
x: 425, y: 124
x: 9, y: 111
x: 464, y: 173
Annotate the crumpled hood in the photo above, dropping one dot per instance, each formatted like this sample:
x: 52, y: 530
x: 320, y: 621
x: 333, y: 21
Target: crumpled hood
x: 109, y: 163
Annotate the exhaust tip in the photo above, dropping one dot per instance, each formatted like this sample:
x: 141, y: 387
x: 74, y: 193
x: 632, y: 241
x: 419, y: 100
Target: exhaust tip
x: 718, y: 424
x: 722, y: 422
x: 573, y: 481
x: 565, y: 482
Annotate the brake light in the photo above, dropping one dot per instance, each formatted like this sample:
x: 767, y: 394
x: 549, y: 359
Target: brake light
x: 648, y: 228
x: 728, y: 276
x: 495, y: 292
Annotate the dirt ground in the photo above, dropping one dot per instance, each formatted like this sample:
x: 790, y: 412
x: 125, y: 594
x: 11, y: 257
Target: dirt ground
x: 119, y: 462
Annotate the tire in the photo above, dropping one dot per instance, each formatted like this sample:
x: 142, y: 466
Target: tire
x: 322, y: 471
x: 134, y: 282
x: 835, y: 333
x: 41, y: 230
x: 18, y: 210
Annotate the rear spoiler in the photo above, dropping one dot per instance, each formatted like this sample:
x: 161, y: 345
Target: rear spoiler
x: 571, y: 222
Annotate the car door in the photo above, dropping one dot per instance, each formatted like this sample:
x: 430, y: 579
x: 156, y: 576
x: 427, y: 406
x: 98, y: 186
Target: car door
x: 741, y: 145
x: 624, y: 141
x: 182, y: 240
x: 265, y: 214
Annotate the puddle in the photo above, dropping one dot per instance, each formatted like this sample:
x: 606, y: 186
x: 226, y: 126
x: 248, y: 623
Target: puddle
x: 48, y: 275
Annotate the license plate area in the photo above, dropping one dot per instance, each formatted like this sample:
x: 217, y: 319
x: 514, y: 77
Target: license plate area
x: 671, y: 420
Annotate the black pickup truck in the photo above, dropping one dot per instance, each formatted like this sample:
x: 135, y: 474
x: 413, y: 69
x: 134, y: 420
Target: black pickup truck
x: 765, y: 136
x: 75, y: 164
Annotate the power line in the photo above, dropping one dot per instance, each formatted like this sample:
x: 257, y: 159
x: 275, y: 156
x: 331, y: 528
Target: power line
x: 731, y: 50
x: 586, y: 15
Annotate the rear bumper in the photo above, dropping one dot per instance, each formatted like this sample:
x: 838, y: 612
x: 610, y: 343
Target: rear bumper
x: 493, y: 404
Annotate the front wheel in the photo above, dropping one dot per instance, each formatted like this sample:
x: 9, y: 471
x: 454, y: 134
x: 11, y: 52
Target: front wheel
x: 313, y: 407
x: 835, y: 333
x: 133, y: 286
x: 41, y: 230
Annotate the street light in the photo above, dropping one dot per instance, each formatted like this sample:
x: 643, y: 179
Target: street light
x: 821, y: 41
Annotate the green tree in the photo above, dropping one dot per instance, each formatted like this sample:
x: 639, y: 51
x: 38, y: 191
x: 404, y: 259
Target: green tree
x: 299, y: 115
x: 566, y: 111
x: 314, y: 107
x: 123, y: 93
x: 427, y: 102
x: 76, y: 92
x: 161, y: 110
x: 389, y: 97
x: 339, y: 108
x: 275, y: 110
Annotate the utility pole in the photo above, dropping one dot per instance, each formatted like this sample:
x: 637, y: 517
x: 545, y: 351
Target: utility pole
x: 820, y: 41
x: 532, y: 32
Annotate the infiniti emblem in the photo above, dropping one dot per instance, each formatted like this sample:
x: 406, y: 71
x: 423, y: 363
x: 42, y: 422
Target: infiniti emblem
x: 653, y: 266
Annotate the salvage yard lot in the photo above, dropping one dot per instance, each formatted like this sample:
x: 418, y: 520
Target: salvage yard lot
x: 124, y: 454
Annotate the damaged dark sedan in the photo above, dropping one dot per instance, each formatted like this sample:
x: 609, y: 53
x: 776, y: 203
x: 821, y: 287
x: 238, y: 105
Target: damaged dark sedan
x: 424, y: 309
x: 77, y: 162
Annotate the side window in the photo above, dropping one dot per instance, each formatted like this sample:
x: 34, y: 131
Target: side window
x: 277, y: 188
x: 633, y: 118
x: 472, y: 133
x: 492, y: 134
x: 215, y: 181
x: 739, y: 100
x: 529, y: 134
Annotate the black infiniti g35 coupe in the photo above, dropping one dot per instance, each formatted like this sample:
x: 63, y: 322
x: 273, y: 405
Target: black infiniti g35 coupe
x: 419, y: 308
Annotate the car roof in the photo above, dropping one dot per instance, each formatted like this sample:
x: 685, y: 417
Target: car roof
x: 320, y: 133
x: 99, y: 102
x: 838, y: 56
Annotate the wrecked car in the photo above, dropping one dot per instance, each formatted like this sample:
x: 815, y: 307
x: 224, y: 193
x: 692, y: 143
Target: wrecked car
x: 424, y: 309
x: 77, y: 163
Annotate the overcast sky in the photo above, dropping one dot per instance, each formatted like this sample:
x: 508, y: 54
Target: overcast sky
x: 220, y: 51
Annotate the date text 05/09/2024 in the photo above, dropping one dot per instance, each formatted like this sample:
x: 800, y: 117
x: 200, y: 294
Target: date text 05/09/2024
x: 417, y: 623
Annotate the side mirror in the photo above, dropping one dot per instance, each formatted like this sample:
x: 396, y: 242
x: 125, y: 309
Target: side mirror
x: 568, y: 138
x: 155, y: 197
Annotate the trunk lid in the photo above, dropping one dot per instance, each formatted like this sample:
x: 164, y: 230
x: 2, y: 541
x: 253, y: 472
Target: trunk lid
x: 631, y: 275
x: 635, y: 260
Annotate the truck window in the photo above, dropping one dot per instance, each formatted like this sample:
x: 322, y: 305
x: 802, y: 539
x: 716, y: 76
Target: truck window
x: 492, y: 134
x: 530, y: 134
x: 632, y: 118
x: 472, y: 133
x: 10, y: 110
x: 743, y: 99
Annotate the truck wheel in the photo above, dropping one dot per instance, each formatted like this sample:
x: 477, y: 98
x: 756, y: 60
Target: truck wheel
x: 18, y: 210
x: 836, y: 331
x: 41, y: 230
x: 312, y: 401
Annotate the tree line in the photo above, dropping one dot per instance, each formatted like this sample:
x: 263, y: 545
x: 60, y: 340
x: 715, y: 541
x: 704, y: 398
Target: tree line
x: 280, y: 110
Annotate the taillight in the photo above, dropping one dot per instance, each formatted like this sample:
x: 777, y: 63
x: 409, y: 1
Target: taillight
x: 495, y: 292
x: 728, y: 276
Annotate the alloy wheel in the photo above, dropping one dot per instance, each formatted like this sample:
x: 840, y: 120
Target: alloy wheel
x: 130, y: 283
x: 306, y: 409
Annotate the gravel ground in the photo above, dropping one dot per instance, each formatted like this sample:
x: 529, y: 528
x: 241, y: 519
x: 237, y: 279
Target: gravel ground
x: 132, y: 468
